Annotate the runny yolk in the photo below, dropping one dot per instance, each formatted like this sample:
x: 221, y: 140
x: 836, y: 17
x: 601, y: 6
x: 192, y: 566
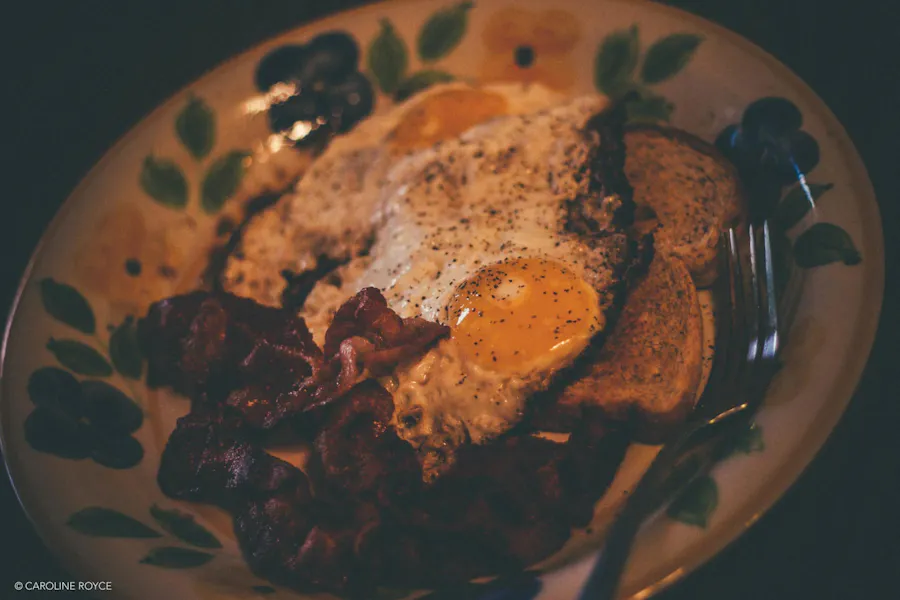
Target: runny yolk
x: 523, y: 315
x: 446, y: 115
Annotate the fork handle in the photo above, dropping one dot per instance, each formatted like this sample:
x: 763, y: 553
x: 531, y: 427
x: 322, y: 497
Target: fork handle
x: 603, y: 580
x: 702, y: 442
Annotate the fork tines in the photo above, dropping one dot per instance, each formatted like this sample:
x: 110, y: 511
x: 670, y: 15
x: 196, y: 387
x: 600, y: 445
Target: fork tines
x: 749, y: 340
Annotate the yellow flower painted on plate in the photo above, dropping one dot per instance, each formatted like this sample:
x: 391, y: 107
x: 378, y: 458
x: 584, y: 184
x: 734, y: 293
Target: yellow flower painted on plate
x: 531, y: 47
x: 130, y: 263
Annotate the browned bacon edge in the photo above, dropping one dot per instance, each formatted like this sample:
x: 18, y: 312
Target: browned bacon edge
x: 218, y: 348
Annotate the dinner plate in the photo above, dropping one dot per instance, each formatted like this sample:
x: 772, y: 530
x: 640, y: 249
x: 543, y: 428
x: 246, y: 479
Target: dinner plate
x: 141, y: 225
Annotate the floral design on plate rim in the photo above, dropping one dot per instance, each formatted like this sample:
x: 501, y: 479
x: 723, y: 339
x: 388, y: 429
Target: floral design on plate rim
x: 89, y: 418
x: 531, y: 47
x: 617, y: 75
x: 98, y: 521
x: 163, y: 180
x: 388, y: 54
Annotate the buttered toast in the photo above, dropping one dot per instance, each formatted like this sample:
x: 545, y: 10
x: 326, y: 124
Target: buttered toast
x: 683, y: 185
x: 647, y: 373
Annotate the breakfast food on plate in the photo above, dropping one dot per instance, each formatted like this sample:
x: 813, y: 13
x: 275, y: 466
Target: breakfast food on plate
x: 361, y: 515
x: 511, y: 233
x: 685, y: 186
x: 647, y: 372
x: 449, y: 280
x: 330, y: 217
x: 262, y: 361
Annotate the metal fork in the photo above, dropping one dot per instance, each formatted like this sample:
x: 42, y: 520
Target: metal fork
x: 748, y: 341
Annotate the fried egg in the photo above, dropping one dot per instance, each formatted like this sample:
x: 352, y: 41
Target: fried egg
x: 469, y: 230
x: 472, y: 233
x: 331, y: 208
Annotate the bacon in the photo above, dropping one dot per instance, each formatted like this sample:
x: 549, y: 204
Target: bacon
x: 368, y: 339
x: 207, y: 342
x: 262, y: 361
x: 358, y: 453
x: 360, y: 516
x: 211, y: 457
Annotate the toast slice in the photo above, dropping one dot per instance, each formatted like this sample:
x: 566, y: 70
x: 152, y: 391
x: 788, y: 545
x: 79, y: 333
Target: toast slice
x: 648, y: 372
x: 686, y: 187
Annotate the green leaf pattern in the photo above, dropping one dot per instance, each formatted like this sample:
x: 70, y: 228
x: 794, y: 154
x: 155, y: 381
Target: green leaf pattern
x: 222, y: 180
x: 388, y: 55
x: 388, y: 58
x: 65, y: 304
x: 98, y: 521
x: 696, y: 503
x: 79, y: 358
x: 443, y: 31
x: 163, y: 180
x: 196, y: 127
x: 616, y: 61
x: 183, y: 526
x: 668, y: 56
x: 825, y: 243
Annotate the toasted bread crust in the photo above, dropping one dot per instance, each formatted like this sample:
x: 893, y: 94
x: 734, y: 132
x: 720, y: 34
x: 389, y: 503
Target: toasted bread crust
x: 689, y: 188
x: 647, y: 373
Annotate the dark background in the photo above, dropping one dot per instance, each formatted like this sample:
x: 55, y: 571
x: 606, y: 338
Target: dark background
x: 78, y: 74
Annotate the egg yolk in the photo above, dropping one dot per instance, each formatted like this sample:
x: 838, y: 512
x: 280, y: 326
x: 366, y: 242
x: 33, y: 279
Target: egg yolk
x: 446, y: 115
x: 523, y: 315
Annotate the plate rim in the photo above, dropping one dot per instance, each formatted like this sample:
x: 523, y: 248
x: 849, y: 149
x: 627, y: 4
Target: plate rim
x: 789, y: 471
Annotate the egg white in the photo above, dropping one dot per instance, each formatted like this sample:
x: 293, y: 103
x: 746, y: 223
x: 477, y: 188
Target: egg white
x: 334, y: 207
x: 438, y: 215
x: 495, y: 194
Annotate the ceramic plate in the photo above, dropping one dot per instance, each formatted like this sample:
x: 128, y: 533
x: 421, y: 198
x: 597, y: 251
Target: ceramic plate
x: 82, y: 436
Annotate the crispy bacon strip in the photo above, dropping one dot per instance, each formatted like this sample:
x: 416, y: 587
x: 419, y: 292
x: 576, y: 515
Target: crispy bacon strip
x: 286, y: 534
x: 357, y: 453
x: 206, y: 342
x: 219, y: 348
x: 368, y: 339
x: 211, y: 457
